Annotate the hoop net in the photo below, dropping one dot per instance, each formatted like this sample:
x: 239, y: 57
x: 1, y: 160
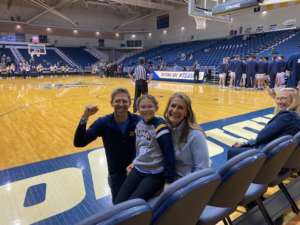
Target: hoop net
x: 37, y: 54
x: 200, y: 22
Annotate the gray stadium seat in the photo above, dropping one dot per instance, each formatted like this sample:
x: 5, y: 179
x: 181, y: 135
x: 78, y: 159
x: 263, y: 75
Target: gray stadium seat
x: 184, y: 200
x: 237, y: 174
x: 135, y: 211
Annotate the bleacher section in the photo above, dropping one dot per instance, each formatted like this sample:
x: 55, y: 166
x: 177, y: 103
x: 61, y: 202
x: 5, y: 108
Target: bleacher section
x: 221, y: 48
x: 150, y: 54
x: 50, y: 56
x: 285, y: 48
x: 79, y: 55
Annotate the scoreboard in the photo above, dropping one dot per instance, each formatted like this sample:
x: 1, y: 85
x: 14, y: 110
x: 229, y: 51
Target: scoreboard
x: 163, y: 21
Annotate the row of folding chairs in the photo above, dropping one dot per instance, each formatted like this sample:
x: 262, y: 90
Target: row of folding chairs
x: 206, y: 197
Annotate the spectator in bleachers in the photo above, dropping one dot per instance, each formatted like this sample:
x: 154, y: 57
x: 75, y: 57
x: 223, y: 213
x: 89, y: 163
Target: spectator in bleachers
x: 191, y: 57
x: 183, y: 56
x: 149, y: 63
x: 273, y: 51
x: 189, y: 140
x: 58, y: 64
x: 286, y: 121
x: 8, y: 61
x: 179, y: 54
x: 176, y: 68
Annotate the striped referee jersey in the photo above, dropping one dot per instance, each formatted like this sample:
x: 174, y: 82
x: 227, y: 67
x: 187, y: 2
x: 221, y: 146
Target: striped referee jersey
x: 141, y: 72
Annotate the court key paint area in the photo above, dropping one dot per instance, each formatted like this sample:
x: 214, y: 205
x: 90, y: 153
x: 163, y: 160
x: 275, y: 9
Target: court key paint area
x: 45, y: 180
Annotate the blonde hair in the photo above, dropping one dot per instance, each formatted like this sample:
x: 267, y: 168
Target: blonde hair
x: 191, y: 121
x: 293, y: 94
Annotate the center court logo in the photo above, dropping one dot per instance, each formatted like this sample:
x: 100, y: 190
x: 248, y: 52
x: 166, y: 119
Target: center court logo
x: 71, y: 85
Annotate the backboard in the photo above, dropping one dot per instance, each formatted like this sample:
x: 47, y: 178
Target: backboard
x: 202, y: 9
x: 33, y: 49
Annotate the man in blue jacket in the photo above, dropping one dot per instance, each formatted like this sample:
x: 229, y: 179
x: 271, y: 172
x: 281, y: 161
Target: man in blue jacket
x: 292, y: 68
x: 272, y: 71
x: 238, y: 72
x: 118, y: 134
x: 280, y: 72
x: 251, y: 72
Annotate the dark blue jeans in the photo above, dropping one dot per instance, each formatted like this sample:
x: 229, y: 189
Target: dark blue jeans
x: 115, y: 182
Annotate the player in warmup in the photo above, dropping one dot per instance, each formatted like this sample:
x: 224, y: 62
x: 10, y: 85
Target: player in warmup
x: 67, y: 68
x: 55, y: 70
x: 8, y: 71
x: 51, y: 69
x: 244, y: 74
x: 0, y: 72
x: 62, y: 70
x: 267, y: 77
x: 272, y: 71
x: 280, y: 73
x: 223, y: 70
x: 23, y: 68
x: 154, y: 164
x: 27, y: 68
x: 12, y: 69
x: 260, y: 73
x: 232, y: 73
x: 251, y: 72
x: 238, y: 72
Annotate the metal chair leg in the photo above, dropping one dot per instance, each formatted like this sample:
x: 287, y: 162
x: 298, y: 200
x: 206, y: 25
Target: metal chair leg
x: 289, y: 198
x: 264, y: 211
x: 229, y: 220
x: 225, y: 222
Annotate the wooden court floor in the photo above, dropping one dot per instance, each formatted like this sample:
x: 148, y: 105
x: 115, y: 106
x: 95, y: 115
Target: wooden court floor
x: 38, y: 120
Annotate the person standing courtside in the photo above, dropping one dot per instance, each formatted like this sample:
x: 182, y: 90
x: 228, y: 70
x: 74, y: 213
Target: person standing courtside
x: 196, y: 71
x: 238, y: 72
x: 141, y: 82
x: 292, y: 68
x: 272, y: 71
x: 251, y: 69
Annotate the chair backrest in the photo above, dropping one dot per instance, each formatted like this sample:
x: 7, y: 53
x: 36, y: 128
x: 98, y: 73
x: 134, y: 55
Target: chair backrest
x: 185, y: 199
x: 278, y: 151
x: 237, y: 175
x: 135, y: 211
x: 294, y: 160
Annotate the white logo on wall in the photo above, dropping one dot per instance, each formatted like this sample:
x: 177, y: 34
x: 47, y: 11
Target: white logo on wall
x: 290, y: 22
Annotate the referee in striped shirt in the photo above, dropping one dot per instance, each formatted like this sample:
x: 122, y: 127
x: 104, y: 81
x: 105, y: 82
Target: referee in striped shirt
x: 141, y: 82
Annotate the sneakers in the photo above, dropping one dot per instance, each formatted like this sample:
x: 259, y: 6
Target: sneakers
x: 247, y: 89
x: 252, y: 89
x: 220, y: 86
x: 224, y: 87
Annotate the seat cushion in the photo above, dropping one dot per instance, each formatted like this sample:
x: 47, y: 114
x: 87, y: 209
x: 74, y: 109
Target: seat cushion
x: 212, y: 215
x: 284, y: 174
x: 254, y: 191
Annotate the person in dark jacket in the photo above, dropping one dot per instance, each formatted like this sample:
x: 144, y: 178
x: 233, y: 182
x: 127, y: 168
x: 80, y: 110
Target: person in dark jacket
x: 272, y: 71
x: 280, y: 72
x: 118, y: 134
x: 238, y: 72
x: 260, y: 73
x: 251, y: 69
x: 286, y: 121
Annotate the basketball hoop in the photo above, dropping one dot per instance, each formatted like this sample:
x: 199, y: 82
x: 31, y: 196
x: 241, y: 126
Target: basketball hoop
x: 200, y: 22
x: 37, y: 53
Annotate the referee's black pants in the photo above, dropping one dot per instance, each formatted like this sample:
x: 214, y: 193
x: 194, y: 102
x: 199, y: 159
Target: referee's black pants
x: 141, y: 87
x: 196, y: 76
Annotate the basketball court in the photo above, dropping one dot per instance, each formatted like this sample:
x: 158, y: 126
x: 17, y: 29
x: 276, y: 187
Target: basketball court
x: 45, y: 180
x: 39, y: 118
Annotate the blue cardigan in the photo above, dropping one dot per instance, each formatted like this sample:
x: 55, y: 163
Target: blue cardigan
x: 284, y: 123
